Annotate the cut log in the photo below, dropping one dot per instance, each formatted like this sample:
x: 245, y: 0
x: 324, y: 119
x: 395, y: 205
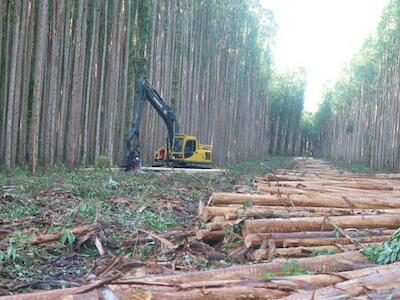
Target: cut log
x: 332, y: 241
x: 210, y: 236
x: 207, y: 251
x: 273, y: 177
x: 394, y: 176
x: 385, y: 280
x: 292, y: 252
x: 311, y: 282
x: 51, y: 237
x: 207, y: 289
x: 256, y: 239
x: 219, y: 225
x: 303, y: 201
x: 273, y: 190
x: 360, y: 185
x: 221, y: 293
x: 323, y: 263
x: 235, y: 211
x: 320, y: 223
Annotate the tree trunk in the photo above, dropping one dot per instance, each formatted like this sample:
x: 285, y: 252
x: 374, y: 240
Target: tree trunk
x: 40, y: 57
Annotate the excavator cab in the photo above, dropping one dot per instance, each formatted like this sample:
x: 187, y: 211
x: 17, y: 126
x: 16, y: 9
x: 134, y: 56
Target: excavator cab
x: 185, y: 151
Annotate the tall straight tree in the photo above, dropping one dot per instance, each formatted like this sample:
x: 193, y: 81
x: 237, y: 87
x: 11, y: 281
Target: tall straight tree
x: 40, y: 55
x: 74, y: 123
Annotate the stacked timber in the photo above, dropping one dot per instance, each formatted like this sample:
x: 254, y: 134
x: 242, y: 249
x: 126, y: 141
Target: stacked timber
x: 295, y: 214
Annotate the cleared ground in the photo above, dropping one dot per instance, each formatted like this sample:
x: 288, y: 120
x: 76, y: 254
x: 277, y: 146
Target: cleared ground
x: 120, y: 205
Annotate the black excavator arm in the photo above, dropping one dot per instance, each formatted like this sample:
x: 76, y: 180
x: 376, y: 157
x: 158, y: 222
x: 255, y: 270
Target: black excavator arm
x: 145, y: 91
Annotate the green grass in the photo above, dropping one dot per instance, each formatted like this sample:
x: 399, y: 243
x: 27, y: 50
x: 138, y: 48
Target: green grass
x: 356, y: 167
x: 62, y: 199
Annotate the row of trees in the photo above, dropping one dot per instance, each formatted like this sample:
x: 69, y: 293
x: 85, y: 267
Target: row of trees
x: 286, y: 95
x: 67, y: 71
x: 360, y: 116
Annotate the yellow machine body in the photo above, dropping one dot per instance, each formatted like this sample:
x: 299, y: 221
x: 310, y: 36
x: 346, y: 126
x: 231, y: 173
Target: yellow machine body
x: 186, y: 150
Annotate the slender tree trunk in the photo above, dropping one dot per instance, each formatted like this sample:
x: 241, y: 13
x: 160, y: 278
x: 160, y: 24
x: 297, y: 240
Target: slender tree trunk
x: 87, y: 101
x: 74, y: 124
x: 54, y: 88
x: 40, y: 55
x: 9, y: 162
x: 103, y: 71
x: 23, y: 126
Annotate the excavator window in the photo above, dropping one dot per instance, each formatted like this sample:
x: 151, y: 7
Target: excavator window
x: 178, y: 145
x: 190, y: 148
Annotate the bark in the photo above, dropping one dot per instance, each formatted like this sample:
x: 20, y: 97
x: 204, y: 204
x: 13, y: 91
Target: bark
x: 294, y: 252
x: 236, y: 211
x: 54, y: 88
x: 218, y: 288
x: 100, y: 101
x: 40, y: 55
x: 74, y: 122
x: 66, y: 82
x: 303, y: 201
x: 13, y: 107
x: 89, y: 80
x: 256, y: 239
x: 210, y: 236
x: 23, y: 126
x: 307, y: 242
x: 51, y: 237
x: 384, y: 280
x: 323, y: 263
x: 320, y: 223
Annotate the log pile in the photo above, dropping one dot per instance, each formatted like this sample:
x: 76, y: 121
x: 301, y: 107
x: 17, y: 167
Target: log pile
x: 310, y: 224
x: 315, y: 210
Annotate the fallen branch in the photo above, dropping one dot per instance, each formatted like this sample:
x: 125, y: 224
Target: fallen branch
x: 51, y: 237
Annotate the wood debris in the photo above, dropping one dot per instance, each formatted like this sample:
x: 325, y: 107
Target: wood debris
x: 310, y: 224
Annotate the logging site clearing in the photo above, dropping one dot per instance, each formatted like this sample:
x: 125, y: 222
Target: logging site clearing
x: 199, y: 149
x: 292, y: 228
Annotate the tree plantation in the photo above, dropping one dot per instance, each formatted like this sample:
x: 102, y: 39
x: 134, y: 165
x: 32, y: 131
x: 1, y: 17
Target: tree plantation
x: 68, y: 71
x: 359, y: 120
x: 199, y: 149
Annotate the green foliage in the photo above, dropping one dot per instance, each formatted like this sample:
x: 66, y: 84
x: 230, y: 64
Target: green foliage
x: 361, y: 80
x: 355, y: 168
x: 307, y: 128
x: 11, y: 253
x: 324, y: 252
x: 268, y: 275
x: 292, y: 267
x: 102, y: 162
x: 248, y: 204
x: 286, y: 94
x: 78, y: 197
x: 158, y: 221
x: 387, y: 253
x: 67, y: 238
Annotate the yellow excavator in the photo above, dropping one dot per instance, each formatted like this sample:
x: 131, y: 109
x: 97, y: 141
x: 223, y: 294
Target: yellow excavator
x: 180, y: 149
